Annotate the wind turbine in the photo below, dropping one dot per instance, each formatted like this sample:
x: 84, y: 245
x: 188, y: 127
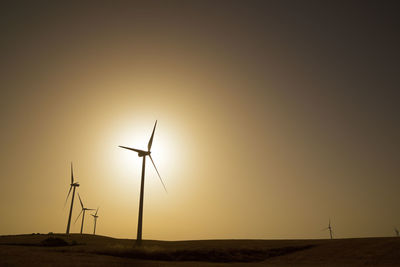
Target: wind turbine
x: 143, y: 154
x: 396, y: 231
x: 74, y: 185
x: 83, y: 210
x: 329, y: 228
x: 95, y: 220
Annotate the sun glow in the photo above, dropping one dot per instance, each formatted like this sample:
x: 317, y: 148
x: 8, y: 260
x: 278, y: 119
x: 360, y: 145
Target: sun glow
x: 163, y: 150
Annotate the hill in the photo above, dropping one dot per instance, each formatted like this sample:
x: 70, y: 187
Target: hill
x: 88, y: 250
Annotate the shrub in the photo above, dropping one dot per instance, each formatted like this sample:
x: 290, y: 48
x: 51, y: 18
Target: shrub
x: 54, y: 242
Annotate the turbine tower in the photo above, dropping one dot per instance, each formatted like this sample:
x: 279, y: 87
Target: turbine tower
x: 82, y: 211
x: 95, y: 220
x: 329, y: 228
x: 73, y: 185
x: 143, y: 154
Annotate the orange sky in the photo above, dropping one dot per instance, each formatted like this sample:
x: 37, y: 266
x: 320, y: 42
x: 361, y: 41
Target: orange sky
x: 272, y: 117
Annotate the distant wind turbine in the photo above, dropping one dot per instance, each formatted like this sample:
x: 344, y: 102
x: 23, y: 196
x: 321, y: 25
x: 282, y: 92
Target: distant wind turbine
x: 142, y: 153
x: 95, y: 220
x: 329, y: 228
x: 396, y: 231
x: 82, y: 211
x: 73, y: 185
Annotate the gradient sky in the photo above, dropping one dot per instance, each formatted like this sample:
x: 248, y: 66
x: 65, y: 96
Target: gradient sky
x: 273, y: 116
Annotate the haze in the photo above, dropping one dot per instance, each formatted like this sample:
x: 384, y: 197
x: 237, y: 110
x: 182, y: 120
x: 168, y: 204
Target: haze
x: 273, y: 116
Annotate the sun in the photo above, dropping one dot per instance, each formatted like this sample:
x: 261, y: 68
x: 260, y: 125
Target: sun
x: 164, y: 150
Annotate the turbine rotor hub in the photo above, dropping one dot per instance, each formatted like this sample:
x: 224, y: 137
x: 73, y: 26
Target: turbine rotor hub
x: 144, y: 153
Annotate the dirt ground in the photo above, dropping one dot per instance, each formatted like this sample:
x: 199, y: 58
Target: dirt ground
x: 89, y: 250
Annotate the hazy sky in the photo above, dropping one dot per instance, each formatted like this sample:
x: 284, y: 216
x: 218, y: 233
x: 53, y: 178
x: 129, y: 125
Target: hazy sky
x: 273, y: 116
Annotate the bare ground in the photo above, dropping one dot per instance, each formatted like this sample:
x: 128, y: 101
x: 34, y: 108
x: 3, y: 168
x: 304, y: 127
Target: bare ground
x: 88, y: 250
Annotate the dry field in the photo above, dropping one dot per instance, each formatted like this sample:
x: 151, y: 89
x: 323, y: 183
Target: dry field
x: 88, y: 250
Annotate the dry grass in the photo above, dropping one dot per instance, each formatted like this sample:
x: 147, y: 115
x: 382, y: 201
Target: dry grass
x: 89, y: 250
x: 204, y: 254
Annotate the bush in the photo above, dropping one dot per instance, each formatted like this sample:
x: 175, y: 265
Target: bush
x: 54, y: 242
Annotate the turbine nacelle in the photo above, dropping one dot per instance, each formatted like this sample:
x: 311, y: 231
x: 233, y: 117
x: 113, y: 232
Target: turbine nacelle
x: 144, y: 153
x: 75, y: 184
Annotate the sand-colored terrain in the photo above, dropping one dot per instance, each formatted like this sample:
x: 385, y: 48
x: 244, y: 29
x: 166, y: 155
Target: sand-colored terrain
x: 89, y: 250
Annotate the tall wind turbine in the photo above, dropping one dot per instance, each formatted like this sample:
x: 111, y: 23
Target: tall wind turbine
x: 95, y: 220
x: 74, y: 185
x: 329, y: 228
x: 82, y: 211
x: 143, y: 154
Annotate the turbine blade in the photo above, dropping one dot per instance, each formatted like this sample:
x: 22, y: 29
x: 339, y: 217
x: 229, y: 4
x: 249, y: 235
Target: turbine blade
x: 78, y: 216
x: 69, y: 192
x: 96, y: 212
x: 133, y: 149
x: 80, y: 200
x: 158, y: 173
x: 151, y: 138
x: 72, y: 174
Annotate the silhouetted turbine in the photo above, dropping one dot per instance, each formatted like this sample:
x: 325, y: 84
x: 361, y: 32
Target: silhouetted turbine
x: 73, y: 185
x: 329, y: 228
x: 83, y: 210
x: 142, y: 153
x: 95, y: 220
